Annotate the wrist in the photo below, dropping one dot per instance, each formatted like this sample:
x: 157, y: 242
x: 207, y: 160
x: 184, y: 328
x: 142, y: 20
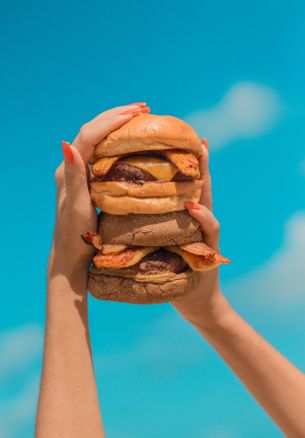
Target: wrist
x: 219, y: 314
x: 71, y: 267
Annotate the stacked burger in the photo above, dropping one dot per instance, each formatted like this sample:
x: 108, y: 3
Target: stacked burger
x: 148, y: 248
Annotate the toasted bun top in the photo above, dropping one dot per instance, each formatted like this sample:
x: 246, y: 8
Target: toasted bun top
x: 150, y: 132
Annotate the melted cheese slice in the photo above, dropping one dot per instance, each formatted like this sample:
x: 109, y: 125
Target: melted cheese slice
x: 122, y: 259
x: 200, y: 263
x: 158, y: 167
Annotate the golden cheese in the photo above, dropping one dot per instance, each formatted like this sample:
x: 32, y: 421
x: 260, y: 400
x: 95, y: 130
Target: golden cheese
x: 161, y: 169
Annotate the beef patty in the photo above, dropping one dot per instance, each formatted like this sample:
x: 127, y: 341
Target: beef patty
x: 160, y: 261
x: 121, y: 171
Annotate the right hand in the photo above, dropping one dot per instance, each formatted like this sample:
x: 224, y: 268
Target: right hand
x: 203, y: 306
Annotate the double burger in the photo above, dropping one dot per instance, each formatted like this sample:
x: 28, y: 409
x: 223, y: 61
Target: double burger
x: 148, y: 248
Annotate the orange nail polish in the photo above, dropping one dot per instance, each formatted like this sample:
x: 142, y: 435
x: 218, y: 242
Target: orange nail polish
x: 145, y: 110
x: 138, y: 103
x: 193, y: 205
x: 204, y: 141
x: 67, y: 151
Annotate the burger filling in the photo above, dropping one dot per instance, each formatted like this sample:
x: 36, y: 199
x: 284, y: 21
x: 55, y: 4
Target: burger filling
x: 152, y: 260
x: 168, y: 165
x: 161, y: 261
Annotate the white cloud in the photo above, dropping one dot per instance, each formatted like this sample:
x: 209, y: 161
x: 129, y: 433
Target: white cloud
x: 18, y: 412
x: 167, y: 344
x: 281, y: 281
x: 19, y: 348
x: 247, y: 110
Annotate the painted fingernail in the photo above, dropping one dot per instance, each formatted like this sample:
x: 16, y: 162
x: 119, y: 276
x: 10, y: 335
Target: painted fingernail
x: 138, y: 103
x: 204, y: 141
x: 135, y: 111
x: 192, y: 205
x: 145, y: 110
x: 67, y: 151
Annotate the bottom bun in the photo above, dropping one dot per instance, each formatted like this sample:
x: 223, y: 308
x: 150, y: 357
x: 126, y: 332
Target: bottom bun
x: 152, y: 291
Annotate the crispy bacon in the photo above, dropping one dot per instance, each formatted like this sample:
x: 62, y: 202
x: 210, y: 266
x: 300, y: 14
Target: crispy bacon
x: 209, y: 260
x: 92, y: 239
x: 110, y: 249
x: 123, y: 259
x: 186, y: 162
x: 103, y: 165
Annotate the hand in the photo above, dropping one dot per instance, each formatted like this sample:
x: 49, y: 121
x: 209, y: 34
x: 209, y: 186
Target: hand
x: 75, y: 213
x: 203, y: 306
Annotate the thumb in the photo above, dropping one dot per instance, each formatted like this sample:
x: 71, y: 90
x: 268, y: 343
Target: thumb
x: 209, y: 224
x: 74, y: 172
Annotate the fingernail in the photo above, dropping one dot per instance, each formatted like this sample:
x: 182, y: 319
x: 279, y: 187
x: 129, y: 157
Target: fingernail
x: 138, y: 103
x: 67, y: 151
x: 145, y: 110
x: 135, y: 111
x: 204, y: 141
x: 192, y: 205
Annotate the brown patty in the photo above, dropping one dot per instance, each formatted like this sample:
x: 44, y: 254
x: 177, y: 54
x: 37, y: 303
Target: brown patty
x: 121, y: 171
x: 161, y: 261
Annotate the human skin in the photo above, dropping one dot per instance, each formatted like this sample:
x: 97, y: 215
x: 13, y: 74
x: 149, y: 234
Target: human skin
x: 68, y: 401
x: 277, y: 385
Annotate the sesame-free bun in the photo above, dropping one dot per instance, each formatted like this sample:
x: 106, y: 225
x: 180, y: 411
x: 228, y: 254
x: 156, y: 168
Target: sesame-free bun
x: 147, y: 189
x: 130, y: 204
x: 175, y: 228
x: 149, y: 289
x: 149, y: 132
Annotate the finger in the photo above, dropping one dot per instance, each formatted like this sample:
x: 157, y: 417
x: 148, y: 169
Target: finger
x: 101, y: 126
x: 75, y: 174
x: 206, y: 192
x: 209, y: 224
x: 60, y: 185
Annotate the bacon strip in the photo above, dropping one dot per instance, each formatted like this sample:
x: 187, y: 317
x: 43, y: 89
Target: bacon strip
x: 186, y: 162
x: 123, y: 259
x: 92, y: 239
x: 210, y: 260
x: 110, y: 249
x: 103, y: 165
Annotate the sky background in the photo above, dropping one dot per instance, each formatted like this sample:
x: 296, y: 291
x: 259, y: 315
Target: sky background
x: 235, y: 71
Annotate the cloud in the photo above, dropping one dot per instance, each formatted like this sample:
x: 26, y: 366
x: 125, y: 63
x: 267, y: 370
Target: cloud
x: 247, y: 110
x: 17, y: 413
x: 166, y: 344
x: 19, y: 348
x: 281, y: 281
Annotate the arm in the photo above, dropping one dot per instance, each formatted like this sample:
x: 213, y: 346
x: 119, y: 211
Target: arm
x: 276, y: 384
x: 68, y: 402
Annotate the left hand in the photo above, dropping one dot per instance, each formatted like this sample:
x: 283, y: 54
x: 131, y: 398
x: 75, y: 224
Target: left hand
x: 75, y: 213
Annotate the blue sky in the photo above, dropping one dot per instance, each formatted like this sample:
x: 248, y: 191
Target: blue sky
x: 235, y: 70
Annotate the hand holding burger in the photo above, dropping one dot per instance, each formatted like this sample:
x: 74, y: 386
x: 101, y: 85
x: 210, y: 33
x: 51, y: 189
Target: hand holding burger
x: 149, y: 248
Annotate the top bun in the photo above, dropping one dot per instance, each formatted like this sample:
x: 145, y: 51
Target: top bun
x: 149, y: 132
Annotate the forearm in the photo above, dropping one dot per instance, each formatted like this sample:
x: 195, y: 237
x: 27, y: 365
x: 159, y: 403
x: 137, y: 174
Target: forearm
x: 68, y: 403
x: 275, y: 383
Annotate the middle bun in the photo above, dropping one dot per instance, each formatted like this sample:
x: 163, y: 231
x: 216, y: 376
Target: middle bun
x: 175, y: 228
x: 153, y: 205
x: 147, y: 189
